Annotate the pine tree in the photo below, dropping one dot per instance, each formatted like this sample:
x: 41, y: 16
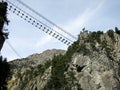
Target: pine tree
x: 4, y: 65
x: 117, y: 30
x: 4, y: 73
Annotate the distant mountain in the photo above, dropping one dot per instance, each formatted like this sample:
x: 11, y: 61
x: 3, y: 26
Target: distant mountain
x: 90, y: 63
x: 29, y: 65
x: 36, y: 59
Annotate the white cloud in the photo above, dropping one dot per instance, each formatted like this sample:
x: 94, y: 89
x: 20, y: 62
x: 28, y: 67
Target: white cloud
x: 73, y: 25
x: 82, y: 19
x: 43, y: 41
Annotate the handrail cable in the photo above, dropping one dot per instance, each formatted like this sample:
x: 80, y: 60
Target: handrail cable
x: 45, y: 19
x: 42, y: 24
x: 10, y: 45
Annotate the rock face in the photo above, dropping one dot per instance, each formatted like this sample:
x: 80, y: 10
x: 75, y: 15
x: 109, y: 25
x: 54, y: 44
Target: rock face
x: 91, y: 63
x: 96, y: 72
x: 98, y: 69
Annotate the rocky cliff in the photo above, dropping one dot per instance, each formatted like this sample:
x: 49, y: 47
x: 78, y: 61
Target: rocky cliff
x: 90, y: 63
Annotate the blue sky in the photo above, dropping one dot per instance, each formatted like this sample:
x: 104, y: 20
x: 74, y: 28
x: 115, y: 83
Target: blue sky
x: 71, y: 15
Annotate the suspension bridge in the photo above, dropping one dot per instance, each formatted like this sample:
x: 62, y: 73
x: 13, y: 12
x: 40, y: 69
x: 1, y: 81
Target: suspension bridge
x: 40, y: 22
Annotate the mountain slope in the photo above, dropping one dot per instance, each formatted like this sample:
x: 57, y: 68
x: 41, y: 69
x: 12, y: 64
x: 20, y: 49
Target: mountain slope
x: 28, y: 70
x: 90, y: 63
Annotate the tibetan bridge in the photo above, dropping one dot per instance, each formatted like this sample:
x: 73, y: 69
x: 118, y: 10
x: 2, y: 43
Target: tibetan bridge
x: 39, y: 21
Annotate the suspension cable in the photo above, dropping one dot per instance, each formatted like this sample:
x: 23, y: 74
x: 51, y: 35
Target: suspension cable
x: 29, y: 18
x: 12, y: 48
x: 46, y: 19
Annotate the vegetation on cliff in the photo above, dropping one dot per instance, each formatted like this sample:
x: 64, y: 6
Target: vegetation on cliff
x: 4, y: 73
x: 4, y: 66
x: 90, y: 55
x: 60, y: 63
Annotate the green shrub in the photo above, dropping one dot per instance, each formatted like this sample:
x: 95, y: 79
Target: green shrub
x: 117, y: 30
x: 4, y: 73
x: 111, y: 34
x: 95, y: 36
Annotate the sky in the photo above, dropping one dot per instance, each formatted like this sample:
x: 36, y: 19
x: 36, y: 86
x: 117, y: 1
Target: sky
x: 71, y: 15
